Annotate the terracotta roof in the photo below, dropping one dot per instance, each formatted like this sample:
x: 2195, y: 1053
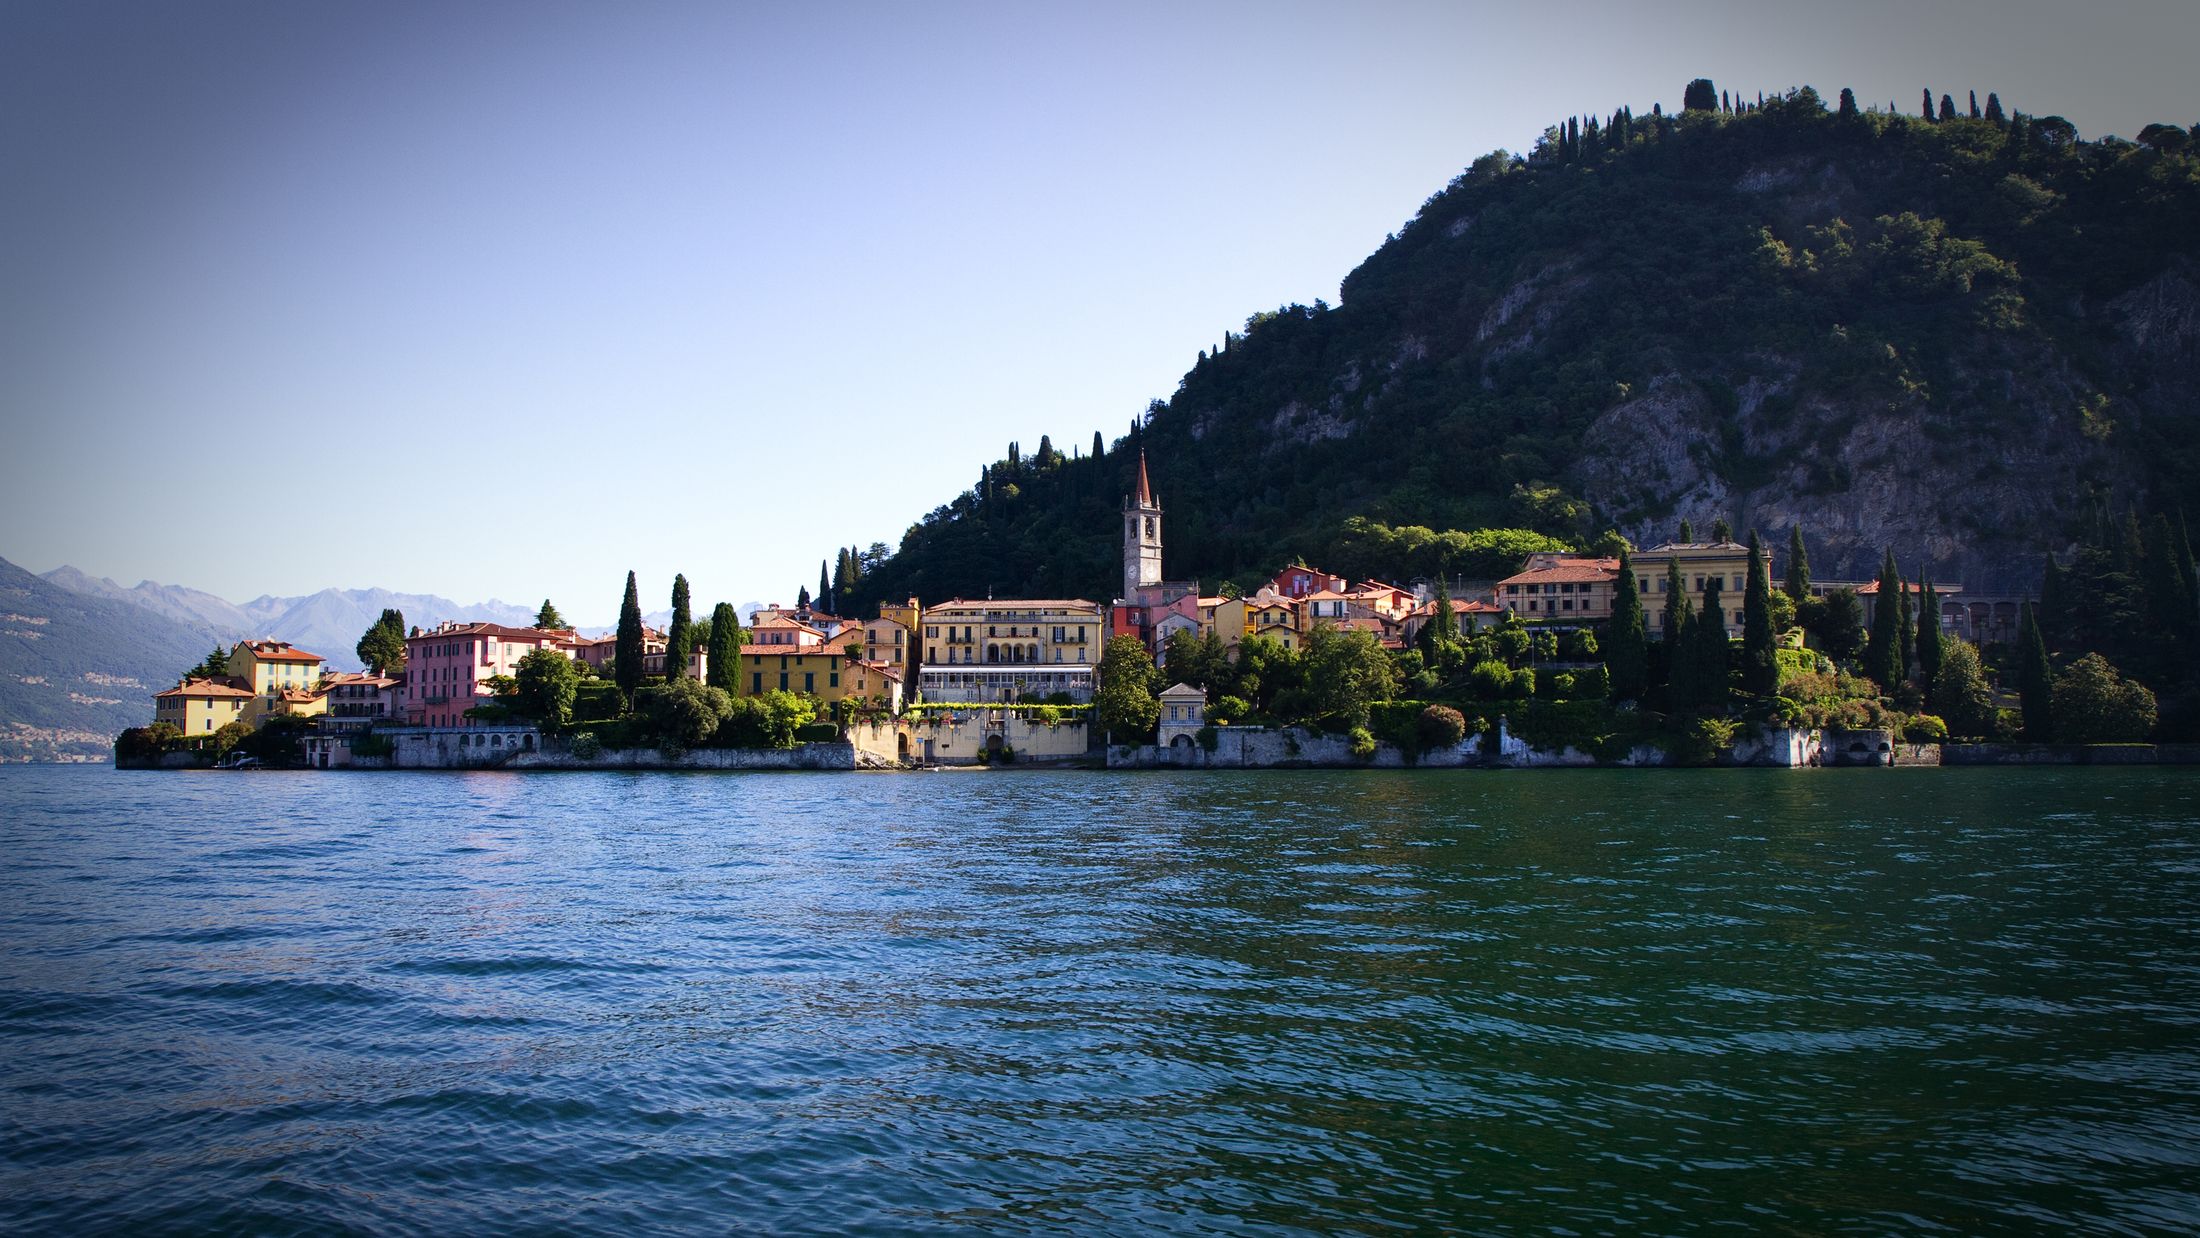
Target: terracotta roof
x: 346, y: 678
x: 1361, y: 623
x: 204, y: 688
x: 1718, y: 547
x: 1560, y: 575
x: 296, y: 695
x: 1461, y: 606
x: 279, y: 651
x: 1328, y: 595
x: 775, y: 622
x: 447, y: 631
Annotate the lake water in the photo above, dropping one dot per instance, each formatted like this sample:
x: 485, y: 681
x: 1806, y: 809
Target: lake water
x: 1854, y: 1000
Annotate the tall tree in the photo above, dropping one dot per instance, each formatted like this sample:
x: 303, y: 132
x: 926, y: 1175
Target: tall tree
x: 627, y: 652
x: 1798, y: 573
x: 1125, y: 699
x: 1441, y: 616
x: 802, y: 598
x: 1928, y: 638
x: 548, y: 617
x: 1677, y: 607
x: 1700, y: 95
x: 1721, y: 531
x: 1099, y: 446
x: 1927, y: 108
x: 1993, y: 108
x: 1626, y: 640
x: 2035, y: 680
x: 1959, y: 693
x: 1848, y: 105
x: 824, y: 595
x: 1947, y: 108
x: 1883, y: 652
x: 1688, y: 531
x: 724, y: 670
x: 1713, y: 653
x: 1909, y: 627
x: 382, y: 647
x: 1974, y: 105
x: 679, y: 639
x: 1760, y: 665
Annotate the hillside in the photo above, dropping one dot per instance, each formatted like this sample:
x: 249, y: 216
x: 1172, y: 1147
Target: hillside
x: 77, y: 668
x: 1955, y: 338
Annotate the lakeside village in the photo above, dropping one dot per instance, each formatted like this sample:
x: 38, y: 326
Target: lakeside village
x: 1684, y: 653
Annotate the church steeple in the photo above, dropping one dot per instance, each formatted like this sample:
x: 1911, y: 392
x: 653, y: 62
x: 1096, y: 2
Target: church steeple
x: 1141, y: 536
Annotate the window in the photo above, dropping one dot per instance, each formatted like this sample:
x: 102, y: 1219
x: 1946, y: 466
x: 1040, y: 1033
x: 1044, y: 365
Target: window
x: 809, y: 681
x: 782, y: 681
x: 756, y: 682
x: 832, y: 679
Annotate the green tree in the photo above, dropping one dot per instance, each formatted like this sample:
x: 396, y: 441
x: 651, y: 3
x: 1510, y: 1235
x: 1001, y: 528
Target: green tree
x: 1993, y: 108
x: 1688, y: 531
x: 2035, y: 680
x: 1710, y: 661
x: 1341, y: 675
x: 724, y: 671
x: 627, y: 652
x: 1700, y: 96
x: 382, y: 647
x: 1883, y: 652
x: 679, y: 633
x: 1677, y: 606
x: 216, y: 664
x: 1627, y: 642
x: 1721, y: 531
x: 548, y: 617
x: 1798, y: 573
x: 682, y: 713
x: 1760, y: 665
x: 547, y: 683
x: 1126, y: 700
x: 802, y: 598
x: 1836, y: 625
x: 1959, y: 691
x: 1908, y: 630
x: 1929, y: 650
x: 824, y: 596
x: 1847, y: 112
x: 2095, y: 705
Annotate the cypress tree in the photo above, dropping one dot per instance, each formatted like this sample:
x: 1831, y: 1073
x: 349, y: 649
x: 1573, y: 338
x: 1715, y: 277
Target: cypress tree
x: 2169, y: 602
x: 724, y: 670
x: 1947, y: 108
x: 824, y: 595
x: 1701, y: 95
x: 1677, y: 606
x: 1993, y: 108
x: 1760, y: 666
x: 1798, y: 573
x: 1848, y: 105
x: 1928, y: 637
x: 627, y: 665
x: 802, y: 598
x: 1721, y: 531
x: 2035, y: 680
x: 677, y: 647
x: 1909, y: 628
x: 1883, y: 649
x: 1099, y: 448
x: 1441, y: 618
x: 1626, y: 642
x: 1688, y: 531
x: 1712, y: 654
x: 1928, y: 106
x: 1974, y: 105
x: 1681, y: 680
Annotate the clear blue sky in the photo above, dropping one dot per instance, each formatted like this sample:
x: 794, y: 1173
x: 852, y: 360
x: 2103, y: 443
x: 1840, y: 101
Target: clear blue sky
x: 503, y: 300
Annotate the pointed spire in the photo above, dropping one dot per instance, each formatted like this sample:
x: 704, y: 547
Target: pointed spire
x: 1145, y: 488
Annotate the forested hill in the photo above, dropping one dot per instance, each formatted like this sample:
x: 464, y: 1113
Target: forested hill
x: 1955, y: 337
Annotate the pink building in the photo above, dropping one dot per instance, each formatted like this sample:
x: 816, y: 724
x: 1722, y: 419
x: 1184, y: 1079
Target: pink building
x: 447, y: 670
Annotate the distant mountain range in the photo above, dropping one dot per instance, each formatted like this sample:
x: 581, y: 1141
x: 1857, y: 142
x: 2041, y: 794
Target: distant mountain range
x: 81, y: 655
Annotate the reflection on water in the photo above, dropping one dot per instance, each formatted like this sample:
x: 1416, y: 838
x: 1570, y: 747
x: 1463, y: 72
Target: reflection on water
x: 1304, y: 1001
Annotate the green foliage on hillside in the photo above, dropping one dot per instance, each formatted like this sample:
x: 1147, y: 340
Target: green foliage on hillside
x: 1955, y: 268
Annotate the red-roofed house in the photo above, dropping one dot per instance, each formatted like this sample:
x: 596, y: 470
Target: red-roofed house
x: 1578, y: 592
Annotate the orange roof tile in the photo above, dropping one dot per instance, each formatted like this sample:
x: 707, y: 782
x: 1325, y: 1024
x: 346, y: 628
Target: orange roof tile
x: 1570, y: 574
x: 279, y: 651
x: 210, y: 688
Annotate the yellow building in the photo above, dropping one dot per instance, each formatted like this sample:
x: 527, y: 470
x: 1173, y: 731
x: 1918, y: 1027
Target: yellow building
x: 807, y: 670
x: 199, y: 707
x: 268, y: 669
x: 1700, y: 563
x: 892, y: 637
x: 998, y: 650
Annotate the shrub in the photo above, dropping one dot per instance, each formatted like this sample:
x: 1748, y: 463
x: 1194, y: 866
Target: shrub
x: 1491, y: 678
x: 234, y: 733
x: 146, y: 743
x: 1229, y: 710
x: 1363, y: 743
x: 1701, y: 740
x: 1208, y: 737
x: 1594, y: 683
x: 1048, y: 716
x: 586, y: 747
x: 2095, y: 705
x: 1441, y: 726
x: 682, y: 712
x: 1926, y: 729
x: 816, y: 733
x: 1558, y: 685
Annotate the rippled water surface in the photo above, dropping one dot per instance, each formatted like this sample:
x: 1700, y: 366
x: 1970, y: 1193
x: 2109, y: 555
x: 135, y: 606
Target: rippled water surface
x: 1583, y: 1001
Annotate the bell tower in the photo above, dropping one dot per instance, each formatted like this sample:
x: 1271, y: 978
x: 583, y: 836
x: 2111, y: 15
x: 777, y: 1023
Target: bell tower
x: 1141, y: 536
